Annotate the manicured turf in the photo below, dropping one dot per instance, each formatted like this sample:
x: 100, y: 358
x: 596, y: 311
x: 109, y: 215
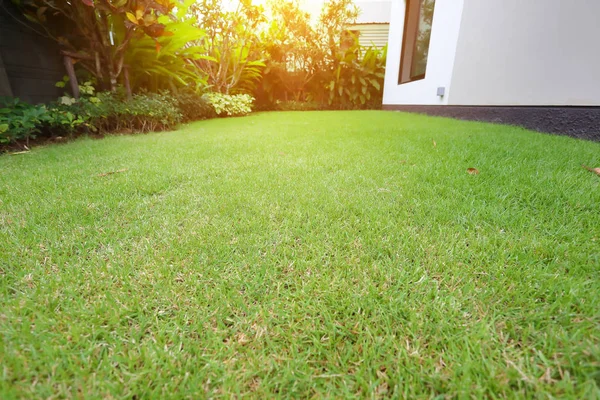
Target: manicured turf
x: 326, y: 255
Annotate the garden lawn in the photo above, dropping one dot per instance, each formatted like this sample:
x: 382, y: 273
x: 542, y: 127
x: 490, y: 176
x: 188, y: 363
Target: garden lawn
x: 324, y: 254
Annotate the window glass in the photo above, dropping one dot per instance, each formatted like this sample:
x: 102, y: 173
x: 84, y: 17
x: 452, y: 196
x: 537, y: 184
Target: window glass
x: 419, y: 59
x: 415, y: 43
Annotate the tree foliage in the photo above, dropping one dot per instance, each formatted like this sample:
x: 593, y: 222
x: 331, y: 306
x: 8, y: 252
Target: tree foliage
x: 293, y: 52
x: 322, y: 63
x: 168, y: 62
x: 96, y: 34
x: 277, y: 55
x: 232, y: 44
x: 335, y: 18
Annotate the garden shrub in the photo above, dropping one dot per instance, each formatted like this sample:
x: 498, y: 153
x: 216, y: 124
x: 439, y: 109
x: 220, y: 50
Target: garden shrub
x: 62, y: 121
x: 88, y: 113
x: 357, y: 81
x: 149, y: 112
x: 112, y: 112
x: 194, y: 107
x: 20, y: 120
x: 104, y: 112
x: 108, y: 112
x: 231, y: 105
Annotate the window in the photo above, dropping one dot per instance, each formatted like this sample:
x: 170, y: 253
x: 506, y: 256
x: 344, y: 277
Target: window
x: 415, y: 42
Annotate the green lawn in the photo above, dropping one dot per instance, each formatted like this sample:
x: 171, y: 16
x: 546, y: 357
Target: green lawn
x: 325, y: 254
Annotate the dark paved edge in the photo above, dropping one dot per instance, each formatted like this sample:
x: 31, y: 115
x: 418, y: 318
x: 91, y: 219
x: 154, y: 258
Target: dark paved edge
x: 577, y: 122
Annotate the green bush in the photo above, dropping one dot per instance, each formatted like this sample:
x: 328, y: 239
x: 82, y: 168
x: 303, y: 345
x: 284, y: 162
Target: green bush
x: 20, y: 120
x: 150, y: 112
x: 357, y: 81
x: 107, y: 112
x: 112, y: 112
x: 103, y: 113
x: 64, y: 122
x: 194, y: 107
x: 231, y: 105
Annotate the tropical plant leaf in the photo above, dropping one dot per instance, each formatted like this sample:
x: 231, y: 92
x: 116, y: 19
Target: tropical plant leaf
x: 131, y: 18
x: 375, y: 84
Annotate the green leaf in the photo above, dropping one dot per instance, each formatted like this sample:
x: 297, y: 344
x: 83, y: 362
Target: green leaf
x: 375, y: 84
x: 31, y: 18
x: 131, y: 18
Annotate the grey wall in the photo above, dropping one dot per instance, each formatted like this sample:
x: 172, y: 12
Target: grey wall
x: 30, y: 64
x: 527, y: 52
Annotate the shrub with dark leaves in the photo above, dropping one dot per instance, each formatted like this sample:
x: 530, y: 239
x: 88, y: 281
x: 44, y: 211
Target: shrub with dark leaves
x: 194, y: 107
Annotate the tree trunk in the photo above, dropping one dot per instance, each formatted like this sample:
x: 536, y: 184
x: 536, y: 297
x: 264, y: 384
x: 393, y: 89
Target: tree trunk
x: 126, y: 82
x: 72, y: 78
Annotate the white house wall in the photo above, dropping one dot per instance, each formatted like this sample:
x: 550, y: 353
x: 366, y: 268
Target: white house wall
x: 527, y: 52
x: 442, y: 49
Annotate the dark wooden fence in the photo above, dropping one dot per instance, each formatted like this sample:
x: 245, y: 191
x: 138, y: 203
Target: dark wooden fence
x: 30, y: 64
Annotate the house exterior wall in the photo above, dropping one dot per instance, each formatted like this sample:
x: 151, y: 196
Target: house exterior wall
x: 534, y: 52
x: 503, y: 53
x: 372, y: 34
x: 442, y: 49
